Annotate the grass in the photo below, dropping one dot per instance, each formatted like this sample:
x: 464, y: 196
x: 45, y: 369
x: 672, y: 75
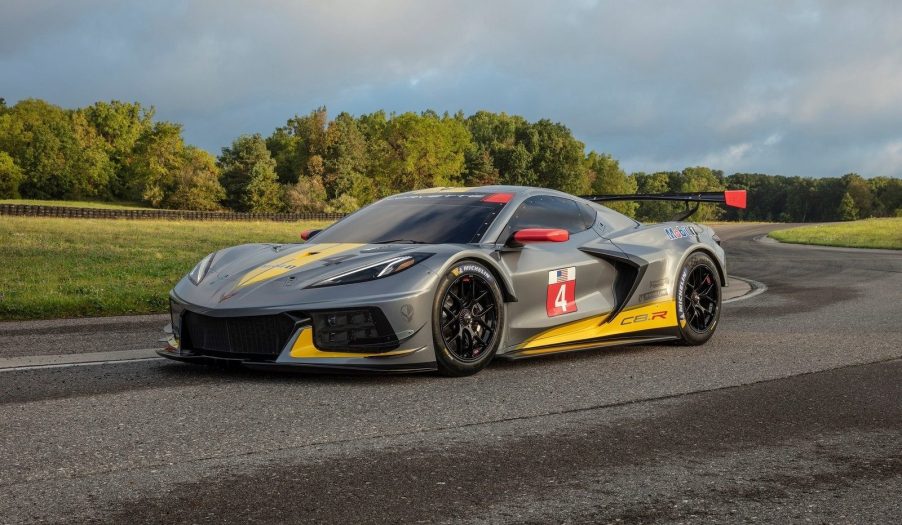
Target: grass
x: 78, y: 204
x: 868, y: 233
x: 51, y: 268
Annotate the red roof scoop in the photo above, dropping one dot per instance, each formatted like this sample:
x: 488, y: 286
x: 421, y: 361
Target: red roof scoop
x: 498, y: 197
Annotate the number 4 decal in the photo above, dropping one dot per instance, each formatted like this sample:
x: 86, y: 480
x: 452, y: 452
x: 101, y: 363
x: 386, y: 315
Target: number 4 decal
x: 561, y: 297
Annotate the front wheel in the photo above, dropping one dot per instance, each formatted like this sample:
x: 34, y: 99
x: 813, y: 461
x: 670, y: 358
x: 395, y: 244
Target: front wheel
x: 467, y: 319
x: 698, y: 299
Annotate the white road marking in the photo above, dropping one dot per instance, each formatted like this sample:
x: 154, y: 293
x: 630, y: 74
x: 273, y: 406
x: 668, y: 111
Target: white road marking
x: 758, y: 288
x: 11, y: 364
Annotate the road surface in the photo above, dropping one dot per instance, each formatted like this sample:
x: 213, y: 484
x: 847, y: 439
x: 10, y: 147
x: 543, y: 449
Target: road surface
x: 791, y: 413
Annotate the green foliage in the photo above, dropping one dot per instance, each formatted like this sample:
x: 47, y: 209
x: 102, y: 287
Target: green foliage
x: 247, y: 160
x: 263, y: 193
x: 156, y: 158
x: 195, y: 184
x: 606, y: 178
x: 796, y: 199
x: 109, y: 150
x: 655, y: 183
x: 419, y: 151
x: 847, y: 210
x: 308, y: 195
x: 116, y: 151
x: 10, y: 177
x: 40, y: 137
x: 343, y: 204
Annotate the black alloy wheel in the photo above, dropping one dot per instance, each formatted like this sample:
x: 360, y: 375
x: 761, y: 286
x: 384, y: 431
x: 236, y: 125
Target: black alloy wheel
x: 467, y: 319
x: 701, y: 298
x: 698, y: 299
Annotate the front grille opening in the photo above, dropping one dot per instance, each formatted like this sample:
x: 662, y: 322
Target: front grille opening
x: 254, y: 336
x: 354, y: 330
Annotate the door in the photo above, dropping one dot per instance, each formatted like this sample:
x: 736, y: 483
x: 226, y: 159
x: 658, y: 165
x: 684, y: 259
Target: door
x: 555, y: 282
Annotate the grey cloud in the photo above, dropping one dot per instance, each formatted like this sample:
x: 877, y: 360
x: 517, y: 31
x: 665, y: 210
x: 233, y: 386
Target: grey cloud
x: 793, y: 87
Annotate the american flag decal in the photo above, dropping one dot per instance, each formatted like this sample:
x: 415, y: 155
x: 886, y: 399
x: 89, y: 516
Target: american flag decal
x: 562, y: 275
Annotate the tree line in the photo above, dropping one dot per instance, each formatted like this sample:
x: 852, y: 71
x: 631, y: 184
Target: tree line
x: 118, y: 151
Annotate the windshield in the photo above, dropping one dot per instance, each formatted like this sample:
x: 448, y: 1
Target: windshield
x: 428, y: 218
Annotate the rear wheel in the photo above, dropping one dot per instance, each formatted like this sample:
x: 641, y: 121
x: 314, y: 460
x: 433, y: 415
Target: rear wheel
x: 698, y: 299
x: 467, y: 317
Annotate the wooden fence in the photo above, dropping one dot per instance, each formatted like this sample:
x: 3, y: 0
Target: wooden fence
x: 28, y: 210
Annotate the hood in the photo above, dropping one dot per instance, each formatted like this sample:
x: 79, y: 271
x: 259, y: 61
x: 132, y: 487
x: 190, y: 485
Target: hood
x: 273, y: 274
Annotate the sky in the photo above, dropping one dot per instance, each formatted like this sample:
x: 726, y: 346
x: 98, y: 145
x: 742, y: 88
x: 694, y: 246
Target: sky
x: 809, y: 88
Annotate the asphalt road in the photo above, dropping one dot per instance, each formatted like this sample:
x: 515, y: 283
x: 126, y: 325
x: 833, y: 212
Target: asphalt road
x: 791, y: 413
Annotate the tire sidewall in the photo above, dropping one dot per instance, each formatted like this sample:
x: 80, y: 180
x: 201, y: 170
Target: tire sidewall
x: 690, y: 335
x: 447, y: 363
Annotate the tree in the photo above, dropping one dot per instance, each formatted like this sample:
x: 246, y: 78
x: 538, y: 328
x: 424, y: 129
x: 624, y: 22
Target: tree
x: 293, y: 145
x: 887, y: 196
x: 557, y: 158
x: 861, y: 193
x: 479, y: 169
x: 10, y: 177
x: 606, y: 178
x: 245, y: 160
x: 263, y: 193
x: 343, y: 204
x: 654, y: 183
x: 503, y: 138
x: 195, y: 185
x: 345, y: 160
x: 41, y: 139
x: 308, y: 195
x: 157, y: 157
x: 847, y: 210
x: 120, y: 125
x: 700, y: 179
x: 420, y: 151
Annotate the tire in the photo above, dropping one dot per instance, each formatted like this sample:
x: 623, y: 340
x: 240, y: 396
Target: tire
x: 698, y: 299
x: 467, y: 319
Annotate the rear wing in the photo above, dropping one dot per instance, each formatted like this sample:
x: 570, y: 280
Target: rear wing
x: 732, y: 198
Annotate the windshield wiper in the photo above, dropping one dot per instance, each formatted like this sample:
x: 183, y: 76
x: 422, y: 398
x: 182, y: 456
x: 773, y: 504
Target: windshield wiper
x: 401, y: 241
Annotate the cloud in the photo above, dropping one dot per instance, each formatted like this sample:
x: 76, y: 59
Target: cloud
x: 796, y: 87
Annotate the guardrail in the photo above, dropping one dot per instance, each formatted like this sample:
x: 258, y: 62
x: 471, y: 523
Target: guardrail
x: 30, y: 210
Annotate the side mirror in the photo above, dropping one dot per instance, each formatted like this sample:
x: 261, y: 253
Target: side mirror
x: 307, y: 234
x: 530, y: 235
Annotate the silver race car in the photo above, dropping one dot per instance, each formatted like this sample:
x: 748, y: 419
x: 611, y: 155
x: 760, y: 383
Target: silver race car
x: 449, y: 278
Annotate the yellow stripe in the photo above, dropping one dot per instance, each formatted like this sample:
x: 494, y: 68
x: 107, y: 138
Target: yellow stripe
x: 293, y: 261
x: 303, y: 348
x: 647, y: 317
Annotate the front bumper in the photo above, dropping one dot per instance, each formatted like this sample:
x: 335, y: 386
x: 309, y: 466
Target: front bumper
x: 413, y: 351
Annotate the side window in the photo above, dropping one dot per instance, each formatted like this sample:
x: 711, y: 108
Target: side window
x: 588, y: 213
x: 544, y: 211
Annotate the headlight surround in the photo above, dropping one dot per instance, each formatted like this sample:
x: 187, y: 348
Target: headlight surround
x: 200, y: 269
x: 374, y: 271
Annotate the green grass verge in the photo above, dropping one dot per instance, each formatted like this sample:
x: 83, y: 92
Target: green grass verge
x: 78, y: 204
x: 868, y: 233
x: 52, y: 268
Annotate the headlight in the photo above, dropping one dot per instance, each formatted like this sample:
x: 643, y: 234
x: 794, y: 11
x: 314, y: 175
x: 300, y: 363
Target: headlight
x: 200, y: 270
x: 374, y: 271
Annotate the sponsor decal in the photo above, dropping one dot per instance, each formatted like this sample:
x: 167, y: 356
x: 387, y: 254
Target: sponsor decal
x: 679, y: 232
x: 472, y: 268
x: 561, y: 297
x: 641, y: 318
x: 407, y: 312
x: 654, y: 294
x: 681, y: 314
